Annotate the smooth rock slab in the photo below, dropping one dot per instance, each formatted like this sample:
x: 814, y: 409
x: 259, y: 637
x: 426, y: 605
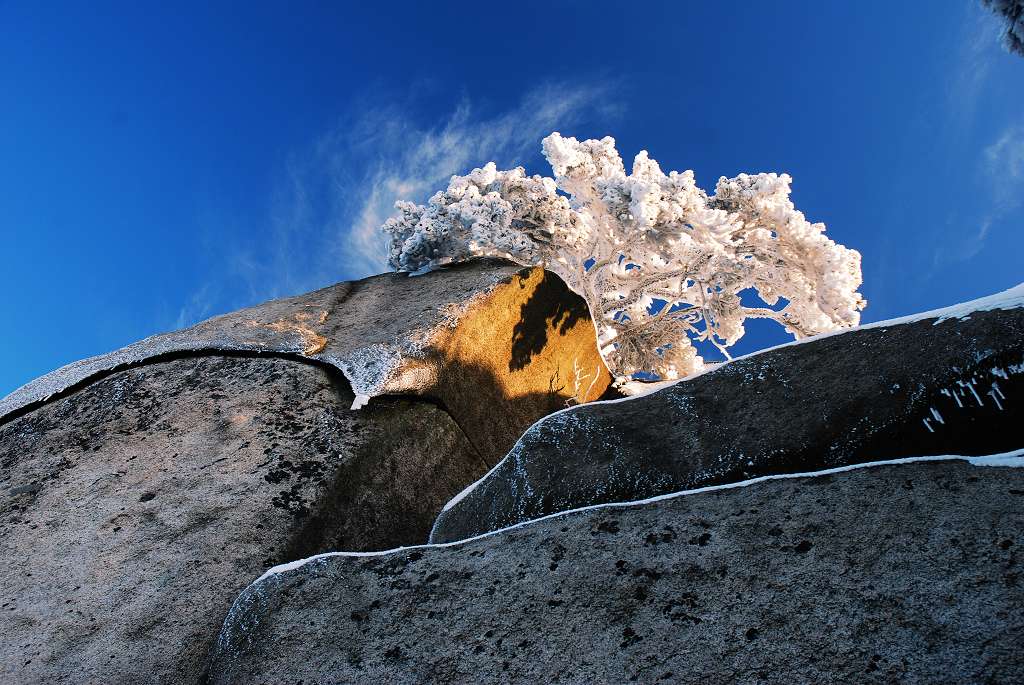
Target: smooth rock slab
x: 951, y: 382
x: 134, y: 511
x: 908, y: 573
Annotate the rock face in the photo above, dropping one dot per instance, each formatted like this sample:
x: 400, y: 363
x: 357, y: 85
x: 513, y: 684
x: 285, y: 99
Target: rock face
x: 907, y: 573
x: 143, y: 490
x: 136, y: 509
x: 480, y: 334
x: 947, y: 382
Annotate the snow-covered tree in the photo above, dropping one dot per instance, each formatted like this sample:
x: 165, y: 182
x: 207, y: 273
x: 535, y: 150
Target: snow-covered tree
x: 1012, y: 13
x: 660, y: 263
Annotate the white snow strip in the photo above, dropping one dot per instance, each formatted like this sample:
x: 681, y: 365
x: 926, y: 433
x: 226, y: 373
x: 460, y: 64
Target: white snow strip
x: 1009, y: 459
x: 970, y: 385
x: 1014, y: 459
x: 996, y: 398
x: 360, y: 401
x: 927, y: 425
x: 995, y: 388
x: 465, y: 491
x: 641, y: 388
x: 937, y: 415
x: 422, y: 271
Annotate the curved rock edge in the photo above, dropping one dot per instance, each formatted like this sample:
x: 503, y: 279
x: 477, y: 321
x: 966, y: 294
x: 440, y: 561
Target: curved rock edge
x: 1013, y: 459
x: 361, y: 367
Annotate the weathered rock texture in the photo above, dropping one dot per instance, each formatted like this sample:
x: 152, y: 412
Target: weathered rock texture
x: 906, y: 573
x: 143, y: 490
x: 136, y: 509
x: 475, y: 336
x: 927, y: 387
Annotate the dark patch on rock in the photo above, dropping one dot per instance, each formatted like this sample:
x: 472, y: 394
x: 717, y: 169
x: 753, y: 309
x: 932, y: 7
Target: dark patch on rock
x: 700, y: 540
x: 551, y: 305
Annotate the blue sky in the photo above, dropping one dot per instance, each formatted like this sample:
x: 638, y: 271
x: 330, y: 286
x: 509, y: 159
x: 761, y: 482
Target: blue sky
x: 160, y: 164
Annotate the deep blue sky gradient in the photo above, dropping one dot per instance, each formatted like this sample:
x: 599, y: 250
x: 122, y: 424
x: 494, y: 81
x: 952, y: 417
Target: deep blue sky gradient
x: 161, y: 163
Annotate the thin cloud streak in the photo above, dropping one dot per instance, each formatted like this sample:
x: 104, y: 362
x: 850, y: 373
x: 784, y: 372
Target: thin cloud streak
x: 420, y: 162
x: 1004, y: 160
x: 346, y: 185
x: 1004, y: 164
x: 977, y: 53
x: 1003, y: 168
x: 997, y: 177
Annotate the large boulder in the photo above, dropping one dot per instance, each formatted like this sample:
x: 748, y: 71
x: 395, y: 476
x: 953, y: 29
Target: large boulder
x: 135, y: 509
x: 143, y: 490
x: 943, y: 382
x: 896, y: 573
x: 474, y: 336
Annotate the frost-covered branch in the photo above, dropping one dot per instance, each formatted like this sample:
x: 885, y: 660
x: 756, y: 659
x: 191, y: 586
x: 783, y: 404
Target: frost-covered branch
x: 660, y: 263
x: 1012, y: 14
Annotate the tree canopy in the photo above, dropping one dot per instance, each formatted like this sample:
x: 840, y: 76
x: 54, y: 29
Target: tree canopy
x: 662, y: 265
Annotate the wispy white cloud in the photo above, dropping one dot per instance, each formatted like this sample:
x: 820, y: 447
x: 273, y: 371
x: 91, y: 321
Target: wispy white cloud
x: 1002, y: 168
x: 413, y: 163
x: 1004, y: 161
x: 992, y: 185
x: 199, y: 306
x: 327, y: 216
x: 977, y: 51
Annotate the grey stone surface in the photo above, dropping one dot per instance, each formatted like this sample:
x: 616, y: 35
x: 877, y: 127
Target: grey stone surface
x: 908, y: 573
x: 133, y: 511
x: 925, y: 387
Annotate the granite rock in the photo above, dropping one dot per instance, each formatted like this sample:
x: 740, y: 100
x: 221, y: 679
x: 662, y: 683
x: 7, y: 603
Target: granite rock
x: 898, y: 573
x: 135, y: 510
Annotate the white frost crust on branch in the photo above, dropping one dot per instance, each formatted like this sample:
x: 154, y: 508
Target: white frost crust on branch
x: 660, y: 263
